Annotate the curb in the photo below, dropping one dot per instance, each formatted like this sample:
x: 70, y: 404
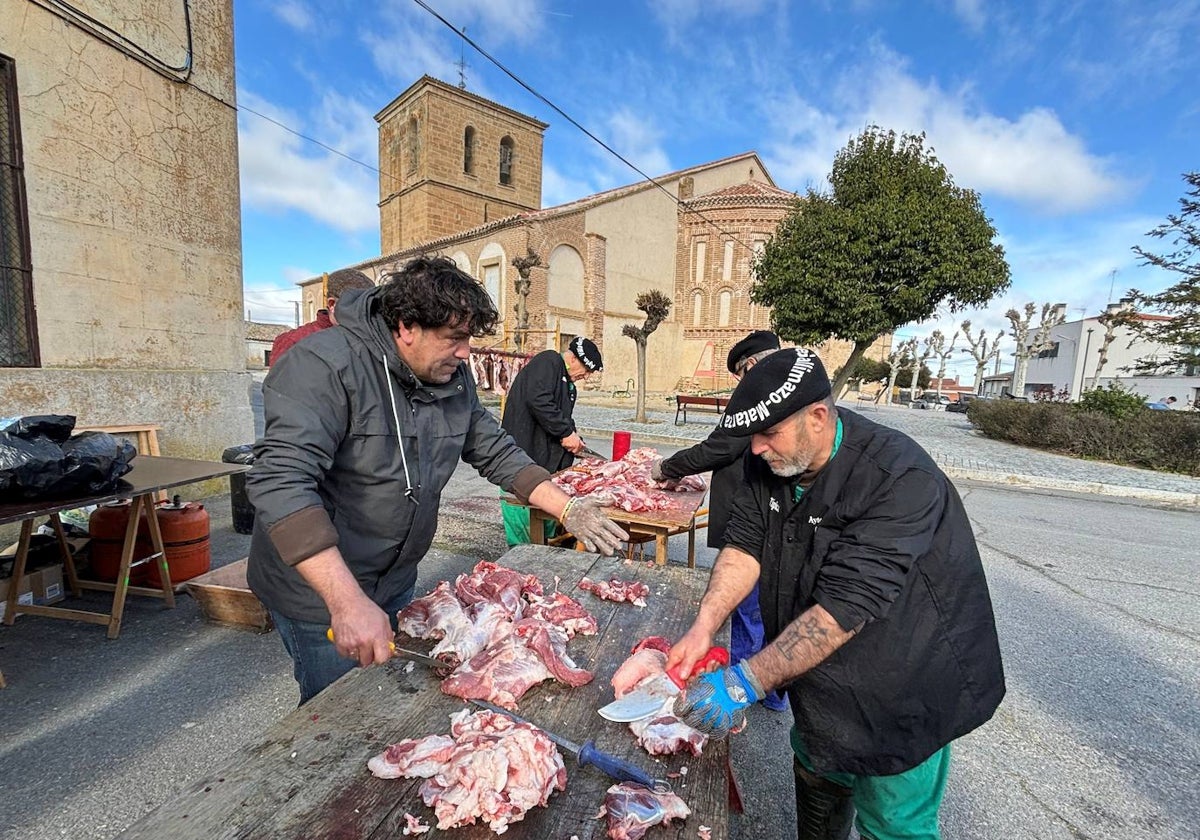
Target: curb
x: 1094, y: 488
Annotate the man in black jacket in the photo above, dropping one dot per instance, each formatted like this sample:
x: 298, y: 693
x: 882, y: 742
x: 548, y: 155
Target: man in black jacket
x: 365, y: 424
x: 723, y: 454
x: 876, y: 608
x: 538, y: 414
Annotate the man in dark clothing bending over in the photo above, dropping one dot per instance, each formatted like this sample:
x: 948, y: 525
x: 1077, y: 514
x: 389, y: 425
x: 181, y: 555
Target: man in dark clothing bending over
x: 876, y: 609
x: 537, y: 413
x: 723, y: 454
x: 365, y: 424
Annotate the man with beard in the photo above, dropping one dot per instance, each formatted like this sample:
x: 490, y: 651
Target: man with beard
x: 876, y: 610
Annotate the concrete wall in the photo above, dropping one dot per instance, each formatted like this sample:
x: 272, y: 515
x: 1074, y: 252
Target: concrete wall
x: 135, y: 231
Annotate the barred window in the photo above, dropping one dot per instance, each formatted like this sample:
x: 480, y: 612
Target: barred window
x: 18, y: 329
x: 506, y: 160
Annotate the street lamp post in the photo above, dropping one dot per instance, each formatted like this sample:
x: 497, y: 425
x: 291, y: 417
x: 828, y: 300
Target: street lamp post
x: 1074, y: 395
x: 1083, y: 373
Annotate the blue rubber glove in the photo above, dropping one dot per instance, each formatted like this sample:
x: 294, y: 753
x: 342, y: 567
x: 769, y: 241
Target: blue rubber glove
x: 713, y: 703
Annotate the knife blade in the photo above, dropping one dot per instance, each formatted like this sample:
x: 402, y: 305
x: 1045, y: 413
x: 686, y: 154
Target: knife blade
x: 588, y: 753
x: 592, y: 453
x: 420, y: 658
x: 653, y: 694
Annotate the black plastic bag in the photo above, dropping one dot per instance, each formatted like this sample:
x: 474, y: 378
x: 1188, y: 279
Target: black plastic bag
x: 34, y: 466
x: 243, y: 453
x: 57, y: 427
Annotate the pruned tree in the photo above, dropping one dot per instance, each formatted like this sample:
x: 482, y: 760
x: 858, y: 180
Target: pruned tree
x: 657, y: 306
x: 896, y: 360
x: 1110, y: 320
x: 524, y: 265
x: 919, y: 362
x: 1182, y: 300
x: 981, y: 352
x: 942, y: 351
x: 1027, y: 347
x: 894, y: 241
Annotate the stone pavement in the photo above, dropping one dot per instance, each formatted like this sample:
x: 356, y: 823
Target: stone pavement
x: 958, y: 449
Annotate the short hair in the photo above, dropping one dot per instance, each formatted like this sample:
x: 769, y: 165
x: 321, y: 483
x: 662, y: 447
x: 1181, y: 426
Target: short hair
x: 345, y: 279
x: 434, y: 292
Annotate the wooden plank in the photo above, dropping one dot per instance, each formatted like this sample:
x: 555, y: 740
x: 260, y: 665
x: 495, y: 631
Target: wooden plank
x: 225, y: 598
x: 307, y: 777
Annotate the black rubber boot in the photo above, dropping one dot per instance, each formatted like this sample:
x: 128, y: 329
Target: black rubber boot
x: 824, y: 809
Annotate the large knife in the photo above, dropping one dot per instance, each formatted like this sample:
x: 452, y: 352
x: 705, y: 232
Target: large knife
x: 653, y: 694
x: 420, y: 658
x: 588, y: 753
x: 592, y: 453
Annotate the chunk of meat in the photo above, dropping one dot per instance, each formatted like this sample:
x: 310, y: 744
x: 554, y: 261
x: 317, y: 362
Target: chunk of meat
x: 654, y: 643
x: 550, y: 643
x: 489, y: 622
x: 631, y: 591
x: 413, y: 825
x: 563, y: 611
x: 434, y: 616
x: 491, y: 582
x: 632, y: 809
x: 501, y: 674
x: 665, y: 734
x: 643, y: 664
x: 420, y: 757
x: 625, y: 484
x: 496, y: 770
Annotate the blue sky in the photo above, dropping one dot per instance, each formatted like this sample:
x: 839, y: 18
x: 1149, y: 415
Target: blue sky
x: 1074, y: 120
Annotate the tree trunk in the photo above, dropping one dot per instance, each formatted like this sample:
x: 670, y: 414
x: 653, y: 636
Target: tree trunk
x: 886, y: 394
x: 839, y: 382
x: 980, y: 369
x: 1020, y: 365
x: 640, y: 416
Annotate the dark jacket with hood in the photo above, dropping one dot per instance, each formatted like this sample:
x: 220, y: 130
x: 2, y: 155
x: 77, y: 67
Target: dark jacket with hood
x: 724, y: 455
x: 332, y: 470
x: 538, y: 409
x: 880, y: 539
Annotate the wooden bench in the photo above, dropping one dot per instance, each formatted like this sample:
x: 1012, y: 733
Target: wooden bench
x: 712, y: 405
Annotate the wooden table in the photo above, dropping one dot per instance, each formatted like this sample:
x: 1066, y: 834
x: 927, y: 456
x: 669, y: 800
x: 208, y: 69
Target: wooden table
x: 307, y: 776
x: 148, y: 476
x: 656, y: 524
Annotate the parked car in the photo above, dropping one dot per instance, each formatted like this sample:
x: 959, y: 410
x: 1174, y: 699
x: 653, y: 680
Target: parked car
x: 960, y: 407
x: 931, y: 402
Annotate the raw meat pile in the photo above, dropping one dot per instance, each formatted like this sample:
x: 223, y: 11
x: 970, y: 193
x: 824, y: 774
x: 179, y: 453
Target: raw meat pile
x: 617, y: 590
x: 632, y: 809
x: 499, y: 633
x: 489, y: 767
x: 663, y: 733
x: 625, y: 484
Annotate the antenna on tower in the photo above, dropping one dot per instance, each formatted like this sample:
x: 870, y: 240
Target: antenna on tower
x: 462, y: 61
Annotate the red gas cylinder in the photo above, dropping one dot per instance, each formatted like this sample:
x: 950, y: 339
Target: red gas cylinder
x: 106, y: 526
x: 185, y: 536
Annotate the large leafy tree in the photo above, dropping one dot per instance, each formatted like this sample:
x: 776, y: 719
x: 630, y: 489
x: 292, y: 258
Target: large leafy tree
x: 894, y: 240
x: 1181, y: 232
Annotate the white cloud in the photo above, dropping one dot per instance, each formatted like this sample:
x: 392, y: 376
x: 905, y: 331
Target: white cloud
x: 1031, y: 158
x: 295, y: 14
x: 559, y: 188
x: 971, y: 13
x: 638, y: 141
x: 676, y: 15
x: 280, y: 171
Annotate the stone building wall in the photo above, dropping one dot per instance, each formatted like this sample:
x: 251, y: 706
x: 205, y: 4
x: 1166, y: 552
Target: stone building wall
x: 132, y: 182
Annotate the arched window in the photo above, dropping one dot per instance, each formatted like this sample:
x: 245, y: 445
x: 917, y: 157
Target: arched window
x: 697, y: 308
x: 469, y: 150
x: 724, y: 302
x: 506, y: 160
x: 414, y: 144
x: 565, y: 279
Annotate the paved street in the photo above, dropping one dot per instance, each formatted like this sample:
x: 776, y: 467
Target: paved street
x: 1096, y: 739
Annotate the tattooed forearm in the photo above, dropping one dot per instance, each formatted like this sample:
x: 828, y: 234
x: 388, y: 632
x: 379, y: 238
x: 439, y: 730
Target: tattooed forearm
x: 803, y: 644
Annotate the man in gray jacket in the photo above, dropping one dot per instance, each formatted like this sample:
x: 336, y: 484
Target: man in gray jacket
x: 365, y: 424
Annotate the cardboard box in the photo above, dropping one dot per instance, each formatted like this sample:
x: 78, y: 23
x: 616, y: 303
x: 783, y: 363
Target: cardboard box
x: 25, y: 589
x: 47, y: 585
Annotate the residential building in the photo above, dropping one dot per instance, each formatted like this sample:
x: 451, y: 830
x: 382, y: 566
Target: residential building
x: 1071, y: 364
x: 693, y: 235
x: 259, y: 338
x: 120, y: 236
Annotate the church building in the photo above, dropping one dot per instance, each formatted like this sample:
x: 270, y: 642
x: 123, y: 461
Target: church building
x: 462, y: 177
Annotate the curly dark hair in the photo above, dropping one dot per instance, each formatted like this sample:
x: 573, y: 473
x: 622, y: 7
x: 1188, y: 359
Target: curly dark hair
x: 434, y: 292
